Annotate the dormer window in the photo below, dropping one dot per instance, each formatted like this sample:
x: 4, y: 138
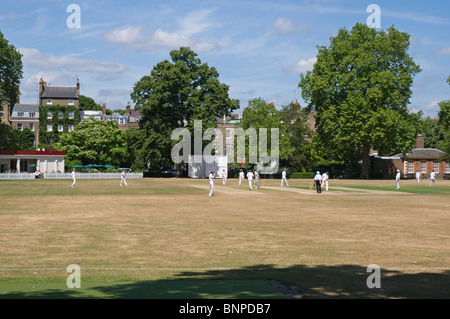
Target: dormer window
x: 49, y: 101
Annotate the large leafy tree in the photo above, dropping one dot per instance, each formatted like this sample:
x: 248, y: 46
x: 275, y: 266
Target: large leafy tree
x: 9, y: 140
x: 88, y: 104
x: 94, y: 142
x: 444, y: 124
x: 175, y: 94
x: 10, y: 72
x: 360, y: 87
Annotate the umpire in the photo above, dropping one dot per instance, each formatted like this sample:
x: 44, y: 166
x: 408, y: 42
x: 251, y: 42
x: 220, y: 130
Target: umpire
x: 318, y: 181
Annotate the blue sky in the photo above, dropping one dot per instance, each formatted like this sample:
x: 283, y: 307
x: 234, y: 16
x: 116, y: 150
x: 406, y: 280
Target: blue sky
x: 259, y: 47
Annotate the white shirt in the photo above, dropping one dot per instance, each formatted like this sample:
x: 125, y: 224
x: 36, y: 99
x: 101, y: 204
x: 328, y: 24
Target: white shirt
x: 250, y: 176
x: 432, y: 175
x: 318, y: 177
x: 224, y: 174
x: 124, y: 175
x: 241, y: 175
x: 211, y: 178
x: 397, y: 177
x: 325, y: 177
x: 417, y: 174
x: 283, y: 174
x: 256, y: 175
x: 73, y: 174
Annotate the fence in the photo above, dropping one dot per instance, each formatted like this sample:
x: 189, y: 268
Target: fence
x: 69, y: 176
x: 92, y: 175
x: 17, y: 176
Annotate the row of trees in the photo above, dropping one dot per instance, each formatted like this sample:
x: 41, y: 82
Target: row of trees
x: 359, y: 91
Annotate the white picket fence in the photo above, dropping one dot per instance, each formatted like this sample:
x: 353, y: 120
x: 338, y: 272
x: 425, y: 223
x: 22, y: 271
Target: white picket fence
x: 69, y: 175
x: 92, y: 175
x: 17, y: 176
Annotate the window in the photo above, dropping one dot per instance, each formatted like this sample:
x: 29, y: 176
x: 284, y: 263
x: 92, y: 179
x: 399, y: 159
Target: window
x: 49, y: 127
x: 71, y: 127
x: 423, y: 166
x: 71, y: 115
x: 20, y: 126
x: 49, y: 101
x: 49, y: 115
x: 447, y: 167
x: 436, y: 166
x: 31, y: 126
x: 71, y: 102
x: 228, y: 133
x: 228, y: 149
x: 20, y: 114
x: 410, y: 166
x: 60, y: 127
x: 60, y: 115
x: 32, y: 114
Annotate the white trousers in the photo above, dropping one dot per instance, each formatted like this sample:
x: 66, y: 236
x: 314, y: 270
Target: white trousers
x: 283, y: 180
x: 123, y: 180
x: 250, y: 183
x: 211, y: 189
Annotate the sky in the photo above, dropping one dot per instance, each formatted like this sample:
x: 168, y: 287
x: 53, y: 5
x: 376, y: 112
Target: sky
x: 259, y: 48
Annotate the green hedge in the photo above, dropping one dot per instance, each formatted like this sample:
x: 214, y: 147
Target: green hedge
x: 301, y: 175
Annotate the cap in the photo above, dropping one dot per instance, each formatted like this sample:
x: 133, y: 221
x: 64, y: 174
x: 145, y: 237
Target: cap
x: 317, y: 172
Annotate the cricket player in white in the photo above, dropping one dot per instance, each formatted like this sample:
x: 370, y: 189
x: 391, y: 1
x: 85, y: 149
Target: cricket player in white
x: 432, y: 178
x: 241, y: 177
x: 74, y: 178
x: 123, y: 179
x: 256, y: 178
x: 224, y: 177
x: 397, y: 179
x: 250, y: 179
x: 418, y: 176
x: 325, y: 181
x: 211, y: 184
x: 283, y: 178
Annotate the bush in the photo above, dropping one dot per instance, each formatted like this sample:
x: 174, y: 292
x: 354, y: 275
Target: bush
x: 301, y: 175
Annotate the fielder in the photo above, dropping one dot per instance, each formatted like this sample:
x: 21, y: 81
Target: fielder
x: 241, y: 177
x: 397, y: 179
x: 123, y: 179
x: 325, y: 181
x: 256, y: 178
x: 74, y: 173
x: 211, y: 184
x: 224, y: 177
x: 283, y: 178
x: 250, y: 179
x: 432, y: 178
x: 418, y: 177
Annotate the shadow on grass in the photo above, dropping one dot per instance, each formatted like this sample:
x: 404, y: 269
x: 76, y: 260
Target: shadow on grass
x: 344, y: 281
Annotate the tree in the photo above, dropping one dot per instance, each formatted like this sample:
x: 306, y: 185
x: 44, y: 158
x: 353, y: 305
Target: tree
x: 9, y: 140
x: 94, y: 142
x: 360, y: 87
x: 444, y: 123
x: 88, y: 104
x: 10, y: 73
x: 26, y: 138
x: 174, y: 95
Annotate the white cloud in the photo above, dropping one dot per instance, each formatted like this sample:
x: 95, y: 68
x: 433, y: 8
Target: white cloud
x: 303, y: 66
x: 138, y: 39
x: 71, y: 63
x: 195, y: 22
x: 445, y: 51
x: 135, y: 38
x: 286, y: 26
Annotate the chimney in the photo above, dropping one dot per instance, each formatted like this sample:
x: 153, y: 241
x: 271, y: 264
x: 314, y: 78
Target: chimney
x: 78, y: 87
x: 128, y: 111
x: 104, y: 112
x: 420, y: 141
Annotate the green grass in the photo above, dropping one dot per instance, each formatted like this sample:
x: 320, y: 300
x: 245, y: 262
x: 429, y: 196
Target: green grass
x: 165, y: 238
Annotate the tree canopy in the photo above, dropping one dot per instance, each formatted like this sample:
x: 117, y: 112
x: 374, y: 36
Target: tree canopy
x: 10, y: 72
x: 360, y: 87
x: 175, y: 94
x: 94, y: 142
